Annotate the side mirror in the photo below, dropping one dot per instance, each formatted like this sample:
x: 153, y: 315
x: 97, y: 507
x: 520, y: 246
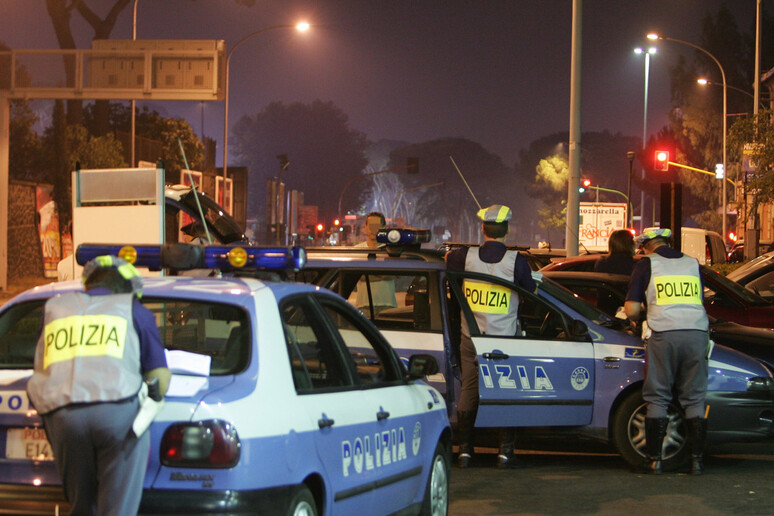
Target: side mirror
x: 578, y: 328
x: 421, y: 365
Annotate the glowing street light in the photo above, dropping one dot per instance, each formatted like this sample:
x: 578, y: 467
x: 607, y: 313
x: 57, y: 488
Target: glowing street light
x: 704, y: 81
x: 639, y: 51
x: 654, y: 36
x: 301, y: 27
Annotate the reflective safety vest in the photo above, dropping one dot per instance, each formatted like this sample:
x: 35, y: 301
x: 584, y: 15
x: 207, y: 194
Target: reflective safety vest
x: 496, y: 308
x: 674, y: 294
x: 88, y: 352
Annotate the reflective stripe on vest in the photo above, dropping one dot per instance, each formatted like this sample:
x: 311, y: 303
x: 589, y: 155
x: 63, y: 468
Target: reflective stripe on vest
x: 496, y: 308
x: 88, y: 352
x: 674, y: 294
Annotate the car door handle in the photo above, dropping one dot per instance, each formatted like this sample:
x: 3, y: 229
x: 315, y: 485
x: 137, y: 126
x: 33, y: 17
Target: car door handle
x: 496, y: 356
x: 382, y: 414
x: 325, y: 422
x: 611, y: 359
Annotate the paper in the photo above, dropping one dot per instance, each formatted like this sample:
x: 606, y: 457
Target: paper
x: 185, y: 386
x: 186, y: 362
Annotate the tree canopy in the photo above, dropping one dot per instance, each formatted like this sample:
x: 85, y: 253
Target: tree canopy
x: 323, y: 150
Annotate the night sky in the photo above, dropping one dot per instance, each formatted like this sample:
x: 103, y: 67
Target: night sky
x: 493, y: 71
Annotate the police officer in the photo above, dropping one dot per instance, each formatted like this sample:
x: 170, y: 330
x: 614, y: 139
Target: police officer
x: 669, y: 282
x: 495, y: 259
x: 94, y: 349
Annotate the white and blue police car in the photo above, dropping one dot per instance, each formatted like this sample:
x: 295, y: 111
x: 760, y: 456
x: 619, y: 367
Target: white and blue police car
x: 284, y: 398
x: 572, y: 369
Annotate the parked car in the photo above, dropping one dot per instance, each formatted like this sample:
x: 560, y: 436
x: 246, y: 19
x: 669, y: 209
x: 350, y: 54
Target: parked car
x: 736, y: 253
x: 575, y: 369
x: 301, y: 408
x: 608, y: 292
x: 724, y: 299
x: 757, y: 275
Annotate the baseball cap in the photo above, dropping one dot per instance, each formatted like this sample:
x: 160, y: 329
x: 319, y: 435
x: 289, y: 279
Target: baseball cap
x: 495, y: 213
x: 651, y: 234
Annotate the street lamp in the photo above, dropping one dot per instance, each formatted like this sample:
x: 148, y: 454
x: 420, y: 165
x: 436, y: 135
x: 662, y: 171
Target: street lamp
x: 648, y: 53
x: 301, y: 27
x: 704, y: 82
x: 284, y: 164
x: 630, y: 155
x: 654, y: 36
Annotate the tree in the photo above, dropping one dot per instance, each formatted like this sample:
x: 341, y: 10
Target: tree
x: 151, y: 124
x: 759, y: 132
x: 324, y: 152
x: 451, y: 205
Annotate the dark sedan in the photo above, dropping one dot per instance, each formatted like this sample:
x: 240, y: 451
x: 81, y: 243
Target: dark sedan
x: 608, y: 292
x: 723, y: 298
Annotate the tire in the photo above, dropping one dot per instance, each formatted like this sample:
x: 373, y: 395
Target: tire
x: 302, y: 503
x: 628, y: 434
x: 436, y: 501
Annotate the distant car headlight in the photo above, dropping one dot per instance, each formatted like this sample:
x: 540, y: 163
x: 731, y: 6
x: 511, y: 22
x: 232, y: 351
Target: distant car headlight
x: 203, y: 444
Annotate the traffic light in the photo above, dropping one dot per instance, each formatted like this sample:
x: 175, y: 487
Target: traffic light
x: 585, y: 184
x: 661, y: 160
x: 320, y: 227
x: 336, y: 222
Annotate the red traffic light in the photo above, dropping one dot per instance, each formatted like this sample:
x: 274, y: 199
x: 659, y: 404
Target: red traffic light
x: 587, y: 183
x: 320, y: 227
x: 661, y: 161
x: 336, y: 222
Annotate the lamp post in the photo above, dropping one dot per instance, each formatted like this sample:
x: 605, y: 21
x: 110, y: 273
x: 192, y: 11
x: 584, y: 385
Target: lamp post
x: 630, y: 155
x: 653, y: 36
x: 284, y: 164
x: 704, y: 82
x: 648, y: 53
x: 134, y: 37
x: 303, y: 26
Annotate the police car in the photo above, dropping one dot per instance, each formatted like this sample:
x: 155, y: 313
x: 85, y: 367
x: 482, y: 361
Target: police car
x: 573, y: 370
x: 284, y: 399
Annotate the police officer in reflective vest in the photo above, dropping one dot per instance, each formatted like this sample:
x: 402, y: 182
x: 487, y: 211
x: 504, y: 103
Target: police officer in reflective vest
x: 669, y: 282
x: 493, y: 258
x: 94, y: 350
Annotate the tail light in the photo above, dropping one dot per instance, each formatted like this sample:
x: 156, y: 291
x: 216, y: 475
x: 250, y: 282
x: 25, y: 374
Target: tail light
x: 203, y: 444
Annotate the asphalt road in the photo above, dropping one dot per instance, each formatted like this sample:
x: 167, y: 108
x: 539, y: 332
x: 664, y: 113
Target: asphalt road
x: 739, y: 480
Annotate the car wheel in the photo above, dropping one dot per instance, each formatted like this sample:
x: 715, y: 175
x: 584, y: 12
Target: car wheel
x: 302, y: 503
x: 436, y: 502
x: 629, y: 434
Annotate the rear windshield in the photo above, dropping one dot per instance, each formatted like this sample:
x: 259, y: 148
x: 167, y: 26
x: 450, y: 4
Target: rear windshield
x: 216, y: 330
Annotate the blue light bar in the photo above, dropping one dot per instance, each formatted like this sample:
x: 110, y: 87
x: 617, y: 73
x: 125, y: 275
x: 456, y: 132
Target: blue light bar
x: 402, y: 236
x: 192, y: 256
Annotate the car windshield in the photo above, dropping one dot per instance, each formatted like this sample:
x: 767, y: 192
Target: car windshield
x: 753, y: 265
x: 744, y: 293
x: 573, y: 301
x: 219, y: 331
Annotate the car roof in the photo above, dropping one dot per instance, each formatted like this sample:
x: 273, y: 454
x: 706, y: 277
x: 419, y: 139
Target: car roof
x: 228, y: 289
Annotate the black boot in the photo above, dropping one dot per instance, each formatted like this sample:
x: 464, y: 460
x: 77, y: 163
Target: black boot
x: 697, y: 433
x: 655, y: 430
x: 465, y: 422
x: 505, y: 457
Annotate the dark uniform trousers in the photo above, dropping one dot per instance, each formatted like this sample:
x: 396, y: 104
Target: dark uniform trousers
x: 106, y: 429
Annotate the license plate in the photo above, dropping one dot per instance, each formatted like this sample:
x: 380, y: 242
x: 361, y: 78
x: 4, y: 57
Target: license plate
x: 27, y: 443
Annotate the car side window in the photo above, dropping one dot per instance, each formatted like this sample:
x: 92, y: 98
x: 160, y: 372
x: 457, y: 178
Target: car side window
x: 315, y: 360
x: 373, y: 362
x: 392, y: 300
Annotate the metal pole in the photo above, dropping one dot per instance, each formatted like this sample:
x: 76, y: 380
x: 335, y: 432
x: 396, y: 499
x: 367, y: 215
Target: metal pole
x: 630, y: 215
x: 225, y: 89
x: 725, y: 116
x: 573, y: 196
x: 644, y: 141
x: 133, y: 129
